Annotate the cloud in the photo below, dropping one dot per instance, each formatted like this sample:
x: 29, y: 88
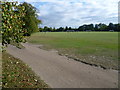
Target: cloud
x: 56, y: 13
x: 14, y: 0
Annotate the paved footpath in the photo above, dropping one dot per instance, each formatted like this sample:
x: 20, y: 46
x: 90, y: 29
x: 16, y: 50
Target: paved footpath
x: 60, y: 72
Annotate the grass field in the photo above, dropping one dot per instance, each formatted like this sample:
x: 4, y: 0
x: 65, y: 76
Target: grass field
x: 100, y: 48
x: 0, y: 68
x: 0, y: 38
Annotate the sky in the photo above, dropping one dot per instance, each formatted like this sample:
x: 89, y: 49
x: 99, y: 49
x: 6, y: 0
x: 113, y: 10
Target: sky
x: 74, y: 13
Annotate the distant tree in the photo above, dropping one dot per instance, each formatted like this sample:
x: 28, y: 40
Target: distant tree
x: 111, y: 26
x: 45, y: 28
x: 66, y: 28
x: 102, y: 27
x: 91, y: 27
x: 85, y: 27
x: 96, y: 27
x: 54, y: 29
x: 117, y: 27
x: 40, y: 29
x: 50, y: 29
x: 80, y: 28
x: 70, y: 28
x: 31, y: 19
x: 60, y: 29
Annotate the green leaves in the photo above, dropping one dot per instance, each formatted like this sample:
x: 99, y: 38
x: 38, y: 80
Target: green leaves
x: 12, y: 23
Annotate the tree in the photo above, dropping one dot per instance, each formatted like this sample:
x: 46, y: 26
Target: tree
x: 40, y: 29
x: 31, y: 19
x: 45, y: 28
x: 70, y: 28
x: 53, y: 30
x: 80, y: 28
x: 111, y: 26
x: 66, y: 28
x: 60, y: 29
x: 118, y: 29
x: 91, y: 27
x: 12, y: 23
x: 96, y: 27
x: 102, y: 27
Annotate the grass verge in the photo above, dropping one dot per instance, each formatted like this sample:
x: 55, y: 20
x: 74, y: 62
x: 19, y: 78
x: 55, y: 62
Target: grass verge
x: 17, y: 74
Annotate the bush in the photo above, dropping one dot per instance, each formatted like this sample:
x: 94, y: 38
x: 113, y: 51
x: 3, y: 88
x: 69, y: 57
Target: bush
x: 12, y: 22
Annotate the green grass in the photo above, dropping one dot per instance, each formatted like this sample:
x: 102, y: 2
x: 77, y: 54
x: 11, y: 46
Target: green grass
x: 17, y: 74
x: 0, y: 69
x: 0, y: 61
x: 0, y: 38
x: 100, y: 48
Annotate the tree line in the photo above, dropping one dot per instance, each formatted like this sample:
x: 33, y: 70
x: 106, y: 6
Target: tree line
x: 90, y: 27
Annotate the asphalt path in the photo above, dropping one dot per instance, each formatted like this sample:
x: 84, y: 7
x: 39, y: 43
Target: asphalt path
x: 61, y: 72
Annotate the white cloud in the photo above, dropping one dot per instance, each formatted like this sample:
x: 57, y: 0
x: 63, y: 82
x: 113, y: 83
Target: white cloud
x: 76, y: 12
x: 14, y: 0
